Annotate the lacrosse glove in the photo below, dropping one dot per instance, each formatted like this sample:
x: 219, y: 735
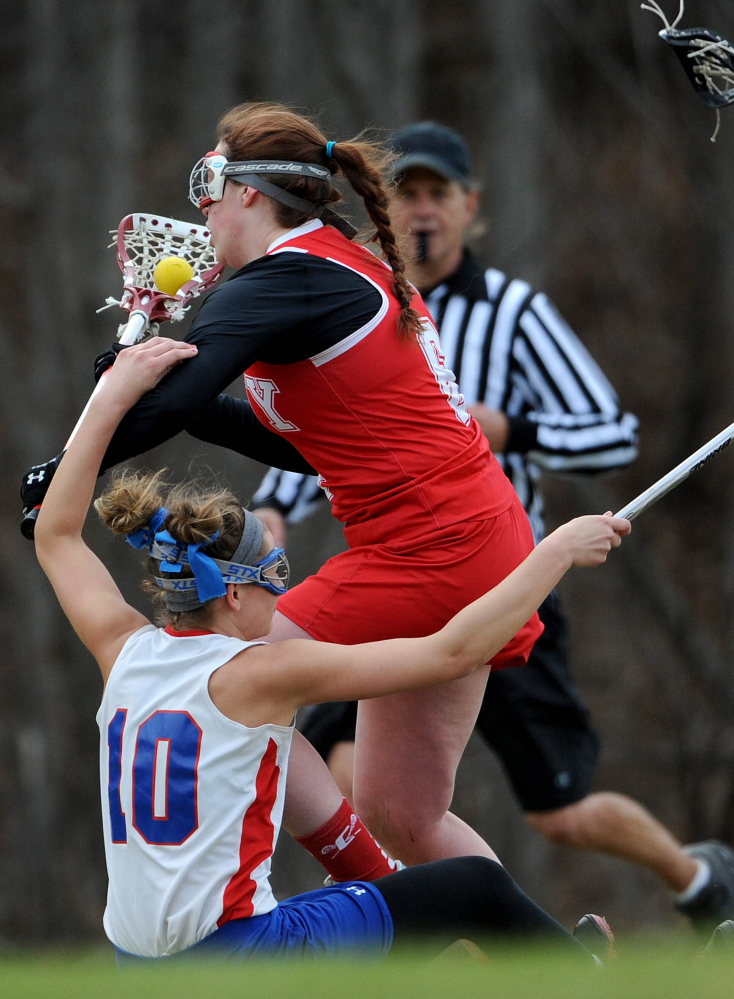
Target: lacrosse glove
x: 35, y: 483
x: 106, y: 359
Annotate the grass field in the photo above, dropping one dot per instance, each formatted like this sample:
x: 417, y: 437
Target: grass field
x: 663, y: 972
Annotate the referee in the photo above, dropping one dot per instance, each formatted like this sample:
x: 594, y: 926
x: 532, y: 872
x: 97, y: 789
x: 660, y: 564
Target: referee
x: 544, y: 404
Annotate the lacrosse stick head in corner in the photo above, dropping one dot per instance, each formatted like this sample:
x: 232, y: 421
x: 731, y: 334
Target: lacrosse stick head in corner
x: 165, y: 263
x: 707, y: 58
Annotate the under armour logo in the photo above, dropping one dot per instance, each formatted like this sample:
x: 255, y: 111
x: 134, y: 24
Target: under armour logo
x: 356, y: 890
x: 36, y: 477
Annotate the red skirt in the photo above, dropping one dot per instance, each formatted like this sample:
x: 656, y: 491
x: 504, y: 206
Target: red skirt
x: 375, y: 592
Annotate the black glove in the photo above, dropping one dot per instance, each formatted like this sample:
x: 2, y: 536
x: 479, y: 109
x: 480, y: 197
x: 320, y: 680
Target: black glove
x: 36, y: 481
x: 106, y: 359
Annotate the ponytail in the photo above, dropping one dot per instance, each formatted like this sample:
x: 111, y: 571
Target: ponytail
x: 363, y: 164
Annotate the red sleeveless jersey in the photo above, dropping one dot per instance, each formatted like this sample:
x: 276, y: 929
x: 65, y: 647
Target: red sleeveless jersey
x: 381, y: 419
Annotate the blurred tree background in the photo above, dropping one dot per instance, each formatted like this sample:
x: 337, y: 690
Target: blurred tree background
x: 600, y: 186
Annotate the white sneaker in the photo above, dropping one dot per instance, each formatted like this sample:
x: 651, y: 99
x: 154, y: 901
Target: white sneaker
x: 329, y: 882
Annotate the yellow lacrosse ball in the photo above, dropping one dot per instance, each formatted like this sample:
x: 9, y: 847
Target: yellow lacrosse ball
x: 172, y: 273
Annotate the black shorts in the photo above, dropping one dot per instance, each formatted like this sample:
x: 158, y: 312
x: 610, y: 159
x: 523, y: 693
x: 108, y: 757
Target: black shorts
x: 532, y: 717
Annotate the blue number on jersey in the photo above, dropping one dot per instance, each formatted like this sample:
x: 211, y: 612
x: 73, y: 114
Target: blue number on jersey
x: 165, y: 807
x: 114, y: 744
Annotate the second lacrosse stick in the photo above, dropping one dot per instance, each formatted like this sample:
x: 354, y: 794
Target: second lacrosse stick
x: 676, y: 475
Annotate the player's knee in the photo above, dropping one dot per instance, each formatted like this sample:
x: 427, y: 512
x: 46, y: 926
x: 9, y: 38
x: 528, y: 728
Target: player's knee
x: 387, y: 825
x: 562, y: 826
x: 395, y: 827
x: 373, y: 813
x: 481, y: 878
x: 485, y: 871
x: 405, y: 813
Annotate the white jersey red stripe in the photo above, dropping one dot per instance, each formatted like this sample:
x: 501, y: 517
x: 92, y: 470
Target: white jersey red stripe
x: 255, y: 839
x: 192, y: 800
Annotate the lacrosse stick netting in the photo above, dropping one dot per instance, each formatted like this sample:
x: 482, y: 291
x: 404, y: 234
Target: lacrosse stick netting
x: 707, y: 58
x: 142, y: 242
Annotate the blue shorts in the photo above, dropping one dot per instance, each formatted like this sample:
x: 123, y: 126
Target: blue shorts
x: 349, y: 918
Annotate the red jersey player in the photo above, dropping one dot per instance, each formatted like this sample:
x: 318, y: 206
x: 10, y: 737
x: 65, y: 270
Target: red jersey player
x: 345, y: 375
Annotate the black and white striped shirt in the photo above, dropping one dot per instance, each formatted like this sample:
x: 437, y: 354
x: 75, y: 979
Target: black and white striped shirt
x: 511, y: 350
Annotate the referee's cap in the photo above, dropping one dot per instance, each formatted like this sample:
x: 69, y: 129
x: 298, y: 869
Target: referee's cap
x: 433, y: 146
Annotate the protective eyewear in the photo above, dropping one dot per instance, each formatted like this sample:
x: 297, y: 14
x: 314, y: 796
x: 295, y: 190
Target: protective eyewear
x: 206, y: 183
x: 272, y: 572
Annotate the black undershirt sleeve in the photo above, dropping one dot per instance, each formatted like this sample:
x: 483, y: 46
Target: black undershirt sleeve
x: 230, y: 422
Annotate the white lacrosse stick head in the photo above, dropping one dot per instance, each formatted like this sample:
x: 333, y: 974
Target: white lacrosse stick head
x: 144, y: 240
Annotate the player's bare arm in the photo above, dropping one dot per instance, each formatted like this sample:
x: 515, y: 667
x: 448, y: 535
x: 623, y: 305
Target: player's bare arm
x: 86, y: 591
x: 269, y: 683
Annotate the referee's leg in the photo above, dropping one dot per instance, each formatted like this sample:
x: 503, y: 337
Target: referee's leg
x: 536, y: 721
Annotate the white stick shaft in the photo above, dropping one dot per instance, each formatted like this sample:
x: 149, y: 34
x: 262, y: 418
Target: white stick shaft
x: 136, y: 325
x: 676, y: 475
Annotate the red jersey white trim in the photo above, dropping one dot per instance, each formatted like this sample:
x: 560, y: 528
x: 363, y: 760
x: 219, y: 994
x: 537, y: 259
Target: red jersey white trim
x: 392, y: 444
x: 348, y: 342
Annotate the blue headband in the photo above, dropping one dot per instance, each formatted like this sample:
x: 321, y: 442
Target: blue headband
x: 210, y: 575
x: 145, y: 537
x: 209, y: 582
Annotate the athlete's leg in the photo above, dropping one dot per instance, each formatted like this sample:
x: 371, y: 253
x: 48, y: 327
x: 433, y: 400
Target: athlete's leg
x: 407, y: 749
x: 471, y: 897
x: 341, y: 767
x: 538, y: 724
x: 330, y: 729
x: 615, y: 824
x: 316, y: 813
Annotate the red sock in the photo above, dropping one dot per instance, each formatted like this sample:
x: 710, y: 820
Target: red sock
x: 346, y: 848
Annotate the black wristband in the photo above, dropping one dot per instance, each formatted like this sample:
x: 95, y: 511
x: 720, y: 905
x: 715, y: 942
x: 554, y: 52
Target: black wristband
x: 522, y: 436
x: 106, y: 359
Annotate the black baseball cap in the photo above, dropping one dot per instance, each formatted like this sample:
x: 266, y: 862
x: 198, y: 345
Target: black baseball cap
x: 433, y: 146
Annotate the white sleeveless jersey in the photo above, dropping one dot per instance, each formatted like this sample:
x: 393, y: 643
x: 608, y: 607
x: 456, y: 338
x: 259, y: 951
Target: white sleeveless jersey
x: 192, y: 801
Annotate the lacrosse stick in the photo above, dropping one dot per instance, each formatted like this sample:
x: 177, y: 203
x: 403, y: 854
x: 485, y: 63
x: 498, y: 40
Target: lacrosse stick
x: 707, y: 58
x: 146, y: 247
x: 165, y: 264
x: 676, y: 475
